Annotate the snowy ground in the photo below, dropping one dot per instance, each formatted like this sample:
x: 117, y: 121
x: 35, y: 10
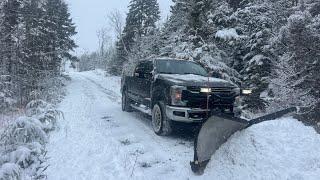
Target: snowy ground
x: 98, y: 141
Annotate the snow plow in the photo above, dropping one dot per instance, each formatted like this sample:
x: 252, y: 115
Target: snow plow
x: 218, y: 129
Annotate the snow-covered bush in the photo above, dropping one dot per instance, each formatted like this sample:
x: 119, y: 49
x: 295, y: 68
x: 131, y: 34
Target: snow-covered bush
x: 10, y: 171
x: 24, y: 130
x: 37, y: 107
x: 45, y: 113
x: 22, y: 144
x: 52, y: 89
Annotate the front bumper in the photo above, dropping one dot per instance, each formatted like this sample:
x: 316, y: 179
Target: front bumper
x: 189, y: 115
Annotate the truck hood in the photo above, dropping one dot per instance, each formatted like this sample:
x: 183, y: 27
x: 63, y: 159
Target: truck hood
x: 194, y: 80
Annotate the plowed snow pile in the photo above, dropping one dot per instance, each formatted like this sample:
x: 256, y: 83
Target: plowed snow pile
x: 284, y: 149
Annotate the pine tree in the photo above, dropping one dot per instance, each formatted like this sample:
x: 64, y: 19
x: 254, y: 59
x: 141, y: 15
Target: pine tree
x: 257, y: 56
x: 181, y: 14
x: 249, y: 53
x: 9, y: 51
x: 140, y: 22
x: 176, y: 29
x: 119, y: 58
x: 8, y: 34
x: 299, y: 42
x: 61, y: 29
x: 32, y: 17
x: 35, y: 35
x: 151, y: 16
x: 142, y: 18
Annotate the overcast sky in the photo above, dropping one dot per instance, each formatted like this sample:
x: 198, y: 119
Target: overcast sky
x: 90, y: 16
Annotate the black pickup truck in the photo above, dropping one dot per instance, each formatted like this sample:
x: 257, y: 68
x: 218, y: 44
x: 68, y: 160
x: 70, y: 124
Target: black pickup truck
x: 173, y: 90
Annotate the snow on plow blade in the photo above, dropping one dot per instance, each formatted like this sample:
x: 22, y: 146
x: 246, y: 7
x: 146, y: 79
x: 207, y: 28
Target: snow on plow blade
x: 216, y: 131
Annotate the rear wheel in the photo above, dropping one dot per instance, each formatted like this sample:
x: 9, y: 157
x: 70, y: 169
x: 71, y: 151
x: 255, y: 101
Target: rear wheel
x: 126, y: 106
x: 160, y: 123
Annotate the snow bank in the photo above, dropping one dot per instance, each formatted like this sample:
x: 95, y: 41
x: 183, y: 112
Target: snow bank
x: 284, y: 149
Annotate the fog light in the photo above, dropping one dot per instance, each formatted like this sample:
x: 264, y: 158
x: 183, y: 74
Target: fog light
x: 178, y: 113
x: 237, y: 101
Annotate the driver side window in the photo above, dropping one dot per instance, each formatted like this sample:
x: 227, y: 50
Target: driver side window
x: 143, y: 70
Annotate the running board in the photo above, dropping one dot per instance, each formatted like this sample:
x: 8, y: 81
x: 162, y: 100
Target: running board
x: 142, y: 108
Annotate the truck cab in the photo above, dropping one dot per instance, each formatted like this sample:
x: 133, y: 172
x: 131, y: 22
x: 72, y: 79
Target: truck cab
x: 172, y: 90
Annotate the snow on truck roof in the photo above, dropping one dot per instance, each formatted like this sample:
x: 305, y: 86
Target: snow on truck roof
x: 167, y: 58
x: 174, y: 59
x: 190, y: 77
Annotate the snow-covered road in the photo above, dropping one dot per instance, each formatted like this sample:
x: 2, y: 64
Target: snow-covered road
x: 97, y: 141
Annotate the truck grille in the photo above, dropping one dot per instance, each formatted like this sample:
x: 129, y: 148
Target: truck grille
x: 219, y: 98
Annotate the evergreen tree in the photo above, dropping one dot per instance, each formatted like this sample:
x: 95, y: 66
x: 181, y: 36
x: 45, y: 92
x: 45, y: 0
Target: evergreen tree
x: 299, y: 42
x: 141, y: 19
x: 256, y: 26
x: 35, y: 35
x: 61, y: 29
x: 140, y: 22
x: 176, y: 30
x: 255, y: 22
x: 9, y: 32
x: 32, y: 17
x: 181, y: 14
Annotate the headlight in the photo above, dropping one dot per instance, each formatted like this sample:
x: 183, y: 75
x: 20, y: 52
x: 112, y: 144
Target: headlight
x: 206, y: 90
x: 176, y: 95
x: 246, y: 91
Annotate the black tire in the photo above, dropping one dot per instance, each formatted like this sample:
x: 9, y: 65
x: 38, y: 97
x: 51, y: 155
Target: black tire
x: 126, y: 102
x: 161, y: 125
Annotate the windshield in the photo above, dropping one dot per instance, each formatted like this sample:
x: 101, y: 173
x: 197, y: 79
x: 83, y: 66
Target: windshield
x: 180, y: 67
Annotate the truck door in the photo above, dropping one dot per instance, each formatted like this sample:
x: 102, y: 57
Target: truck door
x: 147, y: 80
x: 142, y: 79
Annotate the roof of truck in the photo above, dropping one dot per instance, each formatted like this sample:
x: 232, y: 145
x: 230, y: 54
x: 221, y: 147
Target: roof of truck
x: 165, y: 58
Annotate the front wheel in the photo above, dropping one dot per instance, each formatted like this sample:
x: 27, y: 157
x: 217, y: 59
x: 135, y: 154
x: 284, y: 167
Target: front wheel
x: 160, y: 123
x: 126, y: 106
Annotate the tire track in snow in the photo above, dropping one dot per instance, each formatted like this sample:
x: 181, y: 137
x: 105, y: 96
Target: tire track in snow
x: 111, y: 94
x: 175, y: 146
x: 122, y: 146
x: 145, y: 122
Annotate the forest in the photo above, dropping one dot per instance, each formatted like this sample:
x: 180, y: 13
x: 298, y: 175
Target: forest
x: 35, y: 38
x: 271, y: 47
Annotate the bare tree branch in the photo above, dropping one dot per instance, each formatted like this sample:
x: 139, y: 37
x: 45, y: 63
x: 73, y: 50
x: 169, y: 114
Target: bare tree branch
x: 117, y: 23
